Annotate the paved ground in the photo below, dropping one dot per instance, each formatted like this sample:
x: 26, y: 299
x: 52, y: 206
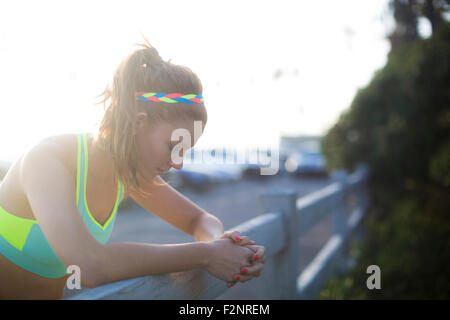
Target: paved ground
x: 233, y: 204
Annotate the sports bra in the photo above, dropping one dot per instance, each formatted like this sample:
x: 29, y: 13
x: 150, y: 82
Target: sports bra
x: 23, y: 242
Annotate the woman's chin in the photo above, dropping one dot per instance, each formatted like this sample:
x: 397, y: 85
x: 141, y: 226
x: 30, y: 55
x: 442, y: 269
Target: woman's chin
x: 148, y: 176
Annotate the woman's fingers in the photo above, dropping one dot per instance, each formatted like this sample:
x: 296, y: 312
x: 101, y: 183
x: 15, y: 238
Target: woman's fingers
x: 258, y: 253
x: 238, y: 278
x: 252, y: 271
x: 237, y: 238
x: 257, y: 259
x: 233, y: 235
x: 244, y: 240
x: 247, y: 273
x: 242, y: 278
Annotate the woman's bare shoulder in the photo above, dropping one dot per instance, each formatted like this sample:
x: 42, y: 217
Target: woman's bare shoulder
x: 65, y: 148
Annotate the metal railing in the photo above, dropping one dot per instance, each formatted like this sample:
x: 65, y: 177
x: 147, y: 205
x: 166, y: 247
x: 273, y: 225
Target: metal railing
x: 284, y: 220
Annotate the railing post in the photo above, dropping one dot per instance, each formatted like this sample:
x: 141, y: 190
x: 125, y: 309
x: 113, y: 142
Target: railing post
x: 362, y: 200
x: 340, y: 216
x: 286, y: 261
x: 363, y: 196
x: 340, y: 213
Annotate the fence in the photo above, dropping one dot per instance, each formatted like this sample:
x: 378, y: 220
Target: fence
x: 284, y: 220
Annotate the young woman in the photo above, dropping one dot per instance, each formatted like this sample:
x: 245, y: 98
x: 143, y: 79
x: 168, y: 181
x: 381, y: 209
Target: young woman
x: 58, y: 202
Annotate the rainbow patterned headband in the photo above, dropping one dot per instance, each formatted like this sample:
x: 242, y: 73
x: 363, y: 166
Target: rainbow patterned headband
x: 169, y: 97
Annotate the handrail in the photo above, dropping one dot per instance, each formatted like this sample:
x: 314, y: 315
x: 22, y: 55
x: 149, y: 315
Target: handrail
x: 193, y: 284
x: 285, y: 218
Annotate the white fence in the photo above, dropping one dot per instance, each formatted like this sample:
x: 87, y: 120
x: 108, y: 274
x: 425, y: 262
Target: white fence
x: 284, y: 220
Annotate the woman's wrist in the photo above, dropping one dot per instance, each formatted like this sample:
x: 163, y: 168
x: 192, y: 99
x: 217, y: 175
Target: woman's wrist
x: 206, y: 249
x: 208, y: 228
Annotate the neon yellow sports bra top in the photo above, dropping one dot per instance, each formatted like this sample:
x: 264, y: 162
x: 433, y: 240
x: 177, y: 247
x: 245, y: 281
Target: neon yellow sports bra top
x: 23, y: 242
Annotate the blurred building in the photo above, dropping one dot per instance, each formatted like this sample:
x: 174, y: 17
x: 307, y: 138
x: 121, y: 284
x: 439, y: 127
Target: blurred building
x: 299, y: 144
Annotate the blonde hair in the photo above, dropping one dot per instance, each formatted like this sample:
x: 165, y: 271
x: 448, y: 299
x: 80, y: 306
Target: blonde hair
x: 142, y: 70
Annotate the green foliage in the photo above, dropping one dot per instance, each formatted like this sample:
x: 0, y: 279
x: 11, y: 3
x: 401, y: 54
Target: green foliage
x: 400, y: 125
x: 412, y: 250
x: 398, y: 116
x: 440, y: 166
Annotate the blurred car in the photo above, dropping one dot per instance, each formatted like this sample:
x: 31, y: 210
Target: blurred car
x: 251, y: 170
x: 202, y: 176
x: 306, y: 163
x: 127, y: 203
x: 186, y: 178
x: 179, y: 179
x: 227, y: 176
x: 173, y: 178
x: 196, y: 180
x: 224, y: 173
x: 255, y: 171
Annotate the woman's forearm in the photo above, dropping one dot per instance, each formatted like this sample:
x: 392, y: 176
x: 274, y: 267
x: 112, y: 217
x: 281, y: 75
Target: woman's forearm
x: 120, y: 261
x: 208, y: 228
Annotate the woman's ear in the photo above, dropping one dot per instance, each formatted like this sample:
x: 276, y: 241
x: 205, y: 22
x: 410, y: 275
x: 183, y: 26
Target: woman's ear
x: 141, y: 121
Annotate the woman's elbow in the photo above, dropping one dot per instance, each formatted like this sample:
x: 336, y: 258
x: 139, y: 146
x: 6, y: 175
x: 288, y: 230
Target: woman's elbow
x: 92, y: 276
x: 89, y: 271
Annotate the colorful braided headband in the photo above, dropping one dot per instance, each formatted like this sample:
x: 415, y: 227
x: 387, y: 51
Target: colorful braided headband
x: 169, y: 97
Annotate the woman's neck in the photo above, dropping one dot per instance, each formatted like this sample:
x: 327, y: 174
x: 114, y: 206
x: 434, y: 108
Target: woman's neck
x: 102, y: 161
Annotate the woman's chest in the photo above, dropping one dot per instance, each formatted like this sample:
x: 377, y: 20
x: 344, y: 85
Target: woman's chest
x: 99, y: 196
x: 101, y: 199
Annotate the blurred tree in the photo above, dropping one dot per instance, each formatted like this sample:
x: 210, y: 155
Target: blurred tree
x: 400, y: 125
x: 433, y: 10
x: 406, y: 14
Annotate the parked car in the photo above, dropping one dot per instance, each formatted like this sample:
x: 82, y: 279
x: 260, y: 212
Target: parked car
x: 228, y: 175
x: 173, y: 178
x: 224, y: 173
x: 179, y: 179
x: 251, y: 170
x: 306, y: 163
x: 202, y: 176
x: 195, y: 180
x: 255, y: 171
x: 127, y: 203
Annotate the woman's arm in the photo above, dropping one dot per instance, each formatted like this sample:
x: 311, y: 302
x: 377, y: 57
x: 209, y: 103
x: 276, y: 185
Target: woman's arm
x: 119, y: 261
x: 221, y: 258
x: 207, y: 228
x: 48, y: 185
x: 173, y: 207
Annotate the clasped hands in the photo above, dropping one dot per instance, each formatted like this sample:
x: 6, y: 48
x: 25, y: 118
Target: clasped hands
x: 253, y: 263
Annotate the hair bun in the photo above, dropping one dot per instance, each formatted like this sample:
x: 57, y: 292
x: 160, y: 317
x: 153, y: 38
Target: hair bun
x: 148, y: 55
x: 152, y: 56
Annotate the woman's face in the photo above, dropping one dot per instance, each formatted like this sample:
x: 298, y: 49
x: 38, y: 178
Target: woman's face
x: 155, y: 146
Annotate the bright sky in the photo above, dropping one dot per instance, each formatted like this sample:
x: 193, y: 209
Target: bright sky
x: 56, y: 56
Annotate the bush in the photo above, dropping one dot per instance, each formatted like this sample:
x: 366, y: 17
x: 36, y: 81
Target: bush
x: 411, y: 248
x: 400, y: 125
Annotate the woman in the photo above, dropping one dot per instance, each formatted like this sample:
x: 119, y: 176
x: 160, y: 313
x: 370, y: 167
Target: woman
x: 58, y: 202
